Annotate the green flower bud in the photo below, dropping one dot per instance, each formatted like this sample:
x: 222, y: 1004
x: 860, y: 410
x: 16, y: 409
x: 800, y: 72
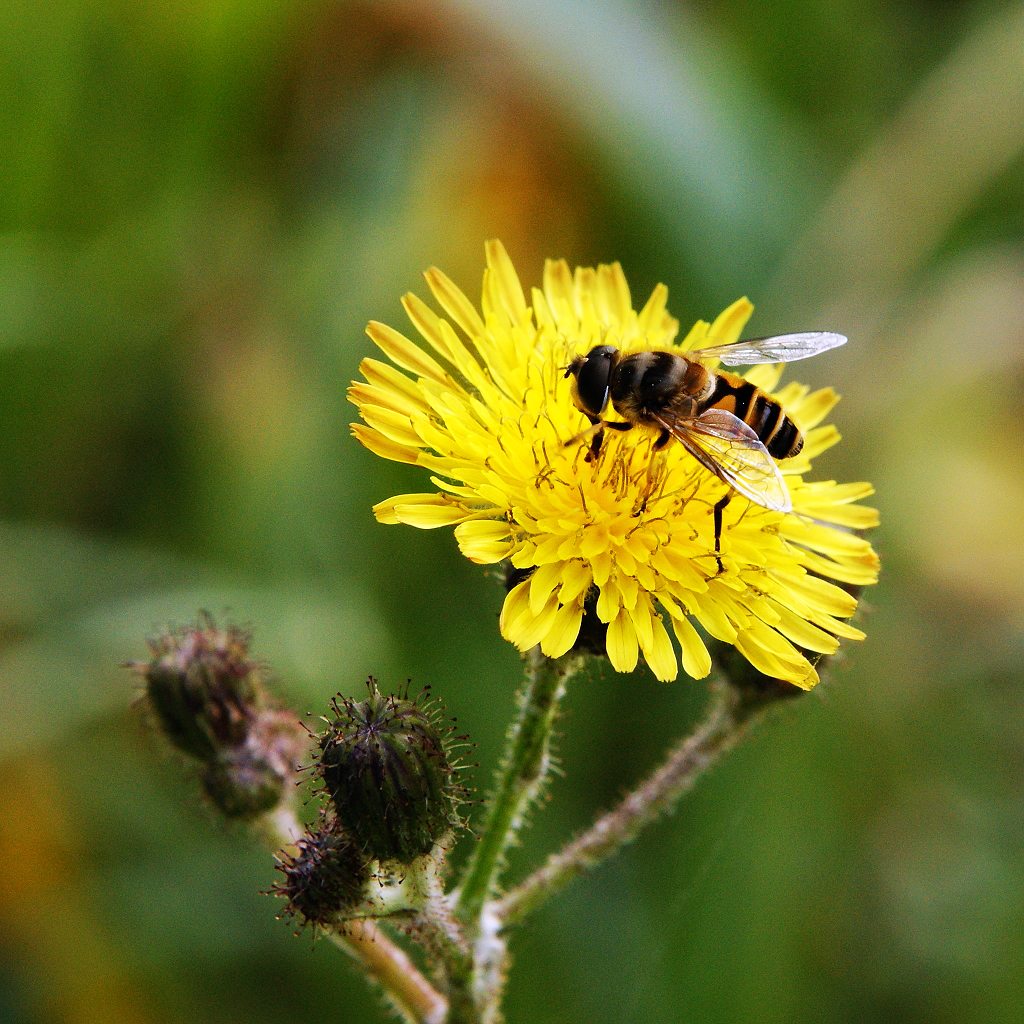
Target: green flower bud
x: 384, y: 766
x: 202, y: 688
x: 325, y: 878
x: 251, y: 779
x: 242, y: 783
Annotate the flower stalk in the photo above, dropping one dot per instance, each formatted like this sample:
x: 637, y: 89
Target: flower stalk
x: 444, y: 938
x: 520, y: 778
x: 386, y: 963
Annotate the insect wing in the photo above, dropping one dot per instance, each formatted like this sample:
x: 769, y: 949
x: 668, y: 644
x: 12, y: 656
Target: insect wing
x: 724, y: 445
x: 781, y: 348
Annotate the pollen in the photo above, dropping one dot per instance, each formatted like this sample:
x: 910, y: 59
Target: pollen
x: 478, y: 398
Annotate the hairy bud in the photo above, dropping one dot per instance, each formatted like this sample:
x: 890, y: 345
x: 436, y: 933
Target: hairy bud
x: 325, y: 878
x: 241, y: 784
x: 202, y: 687
x: 251, y: 779
x: 385, y: 768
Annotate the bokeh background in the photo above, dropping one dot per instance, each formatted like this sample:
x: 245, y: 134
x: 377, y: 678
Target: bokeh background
x: 202, y: 204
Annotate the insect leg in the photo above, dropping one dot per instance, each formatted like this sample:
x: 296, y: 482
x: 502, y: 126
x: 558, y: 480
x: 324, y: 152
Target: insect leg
x: 596, y: 434
x: 594, y: 430
x: 718, y: 510
x: 595, y: 444
x: 663, y: 439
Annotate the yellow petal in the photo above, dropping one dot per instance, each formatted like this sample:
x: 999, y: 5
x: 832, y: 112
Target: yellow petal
x: 362, y: 395
x: 609, y: 601
x: 729, y: 324
x: 386, y: 377
x: 818, y: 440
x: 813, y: 409
x: 613, y: 293
x: 558, y: 290
x: 506, y: 280
x: 696, y: 659
x: 382, y: 446
x: 651, y: 317
x: 623, y: 650
x: 697, y: 337
x: 565, y: 628
x: 836, y: 626
x: 659, y: 653
x: 771, y: 653
x: 484, y: 541
x: 815, y: 592
x: 516, y: 604
x: 766, y: 377
x: 520, y: 625
x: 426, y: 511
x: 576, y: 580
x: 542, y: 585
x: 801, y: 632
x: 454, y: 302
x: 860, y: 571
x: 399, y: 349
x: 643, y: 616
x: 711, y: 614
x: 395, y: 426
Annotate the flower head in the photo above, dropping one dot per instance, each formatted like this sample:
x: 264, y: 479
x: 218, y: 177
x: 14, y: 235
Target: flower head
x: 482, y: 403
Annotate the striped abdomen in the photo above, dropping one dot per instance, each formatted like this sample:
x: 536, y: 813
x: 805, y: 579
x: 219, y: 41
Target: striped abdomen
x: 762, y: 413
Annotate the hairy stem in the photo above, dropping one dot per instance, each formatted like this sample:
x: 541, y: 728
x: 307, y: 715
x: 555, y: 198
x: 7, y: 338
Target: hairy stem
x: 412, y: 996
x: 522, y: 772
x: 722, y: 727
x: 442, y: 935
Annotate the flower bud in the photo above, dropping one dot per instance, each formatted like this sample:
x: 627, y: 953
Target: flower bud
x: 325, y: 878
x: 384, y: 766
x: 202, y: 687
x: 207, y: 698
x: 251, y: 779
x: 241, y: 783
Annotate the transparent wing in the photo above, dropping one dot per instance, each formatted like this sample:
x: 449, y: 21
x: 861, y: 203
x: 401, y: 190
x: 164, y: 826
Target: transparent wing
x: 782, y: 348
x: 724, y: 445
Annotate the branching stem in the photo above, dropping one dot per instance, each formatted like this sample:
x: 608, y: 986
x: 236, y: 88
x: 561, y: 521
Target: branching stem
x: 722, y: 727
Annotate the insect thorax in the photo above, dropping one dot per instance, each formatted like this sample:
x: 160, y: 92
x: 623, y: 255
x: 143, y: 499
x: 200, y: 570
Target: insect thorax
x: 652, y: 383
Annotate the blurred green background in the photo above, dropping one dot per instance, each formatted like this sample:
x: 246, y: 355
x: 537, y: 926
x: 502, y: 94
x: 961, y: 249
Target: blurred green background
x: 202, y: 204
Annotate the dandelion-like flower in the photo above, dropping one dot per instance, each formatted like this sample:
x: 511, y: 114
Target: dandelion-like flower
x: 481, y: 402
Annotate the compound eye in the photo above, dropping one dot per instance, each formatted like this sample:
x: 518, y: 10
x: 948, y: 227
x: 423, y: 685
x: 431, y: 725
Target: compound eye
x: 593, y: 380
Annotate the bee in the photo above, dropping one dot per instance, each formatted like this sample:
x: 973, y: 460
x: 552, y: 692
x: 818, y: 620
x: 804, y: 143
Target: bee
x: 731, y: 427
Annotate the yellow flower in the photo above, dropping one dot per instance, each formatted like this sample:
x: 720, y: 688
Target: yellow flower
x: 484, y: 407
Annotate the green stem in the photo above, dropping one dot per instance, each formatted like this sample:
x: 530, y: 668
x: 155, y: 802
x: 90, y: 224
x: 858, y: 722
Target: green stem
x: 522, y: 772
x: 719, y: 732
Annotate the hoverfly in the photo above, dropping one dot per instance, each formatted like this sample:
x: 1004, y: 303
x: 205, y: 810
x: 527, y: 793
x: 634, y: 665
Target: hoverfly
x: 731, y: 427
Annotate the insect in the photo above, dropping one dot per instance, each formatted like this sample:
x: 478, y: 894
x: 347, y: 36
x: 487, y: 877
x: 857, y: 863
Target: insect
x: 731, y: 427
